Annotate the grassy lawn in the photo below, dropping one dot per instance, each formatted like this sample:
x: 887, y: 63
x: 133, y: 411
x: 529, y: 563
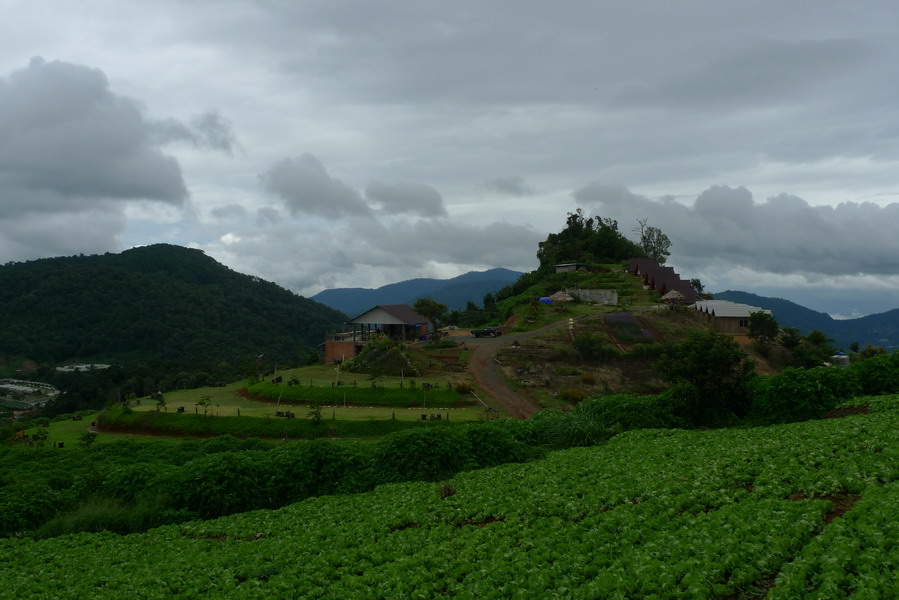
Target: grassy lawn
x: 69, y: 433
x: 225, y: 401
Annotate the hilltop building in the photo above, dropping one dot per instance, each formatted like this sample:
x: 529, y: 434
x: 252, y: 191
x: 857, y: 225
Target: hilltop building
x: 398, y: 321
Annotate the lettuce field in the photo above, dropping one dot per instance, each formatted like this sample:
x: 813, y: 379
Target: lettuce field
x: 805, y: 510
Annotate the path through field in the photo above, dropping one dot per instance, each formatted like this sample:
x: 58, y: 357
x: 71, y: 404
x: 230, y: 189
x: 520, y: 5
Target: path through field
x: 490, y: 380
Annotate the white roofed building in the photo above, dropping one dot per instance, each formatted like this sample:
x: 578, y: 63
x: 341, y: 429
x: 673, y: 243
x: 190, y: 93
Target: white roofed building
x: 728, y: 317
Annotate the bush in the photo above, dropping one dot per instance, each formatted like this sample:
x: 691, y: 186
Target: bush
x: 798, y: 394
x: 588, y: 379
x: 878, y: 374
x: 463, y: 388
x: 221, y: 484
x: 592, y: 347
x: 572, y: 395
x: 428, y: 454
x: 623, y: 412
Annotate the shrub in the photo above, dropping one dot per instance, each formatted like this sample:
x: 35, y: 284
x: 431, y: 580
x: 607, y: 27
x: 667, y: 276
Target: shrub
x: 592, y: 347
x: 588, y: 379
x: 463, y: 388
x: 878, y: 374
x: 798, y: 394
x: 572, y: 395
x: 428, y: 454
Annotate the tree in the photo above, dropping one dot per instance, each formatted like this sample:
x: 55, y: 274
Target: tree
x: 592, y: 239
x: 434, y: 311
x: 205, y: 402
x: 315, y: 412
x: 87, y: 439
x: 710, y: 374
x: 654, y: 243
x: 763, y: 327
x: 697, y: 285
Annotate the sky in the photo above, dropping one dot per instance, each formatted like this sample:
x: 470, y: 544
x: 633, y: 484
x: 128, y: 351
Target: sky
x: 337, y: 143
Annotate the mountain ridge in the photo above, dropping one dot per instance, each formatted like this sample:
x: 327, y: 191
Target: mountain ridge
x: 880, y: 329
x: 454, y: 292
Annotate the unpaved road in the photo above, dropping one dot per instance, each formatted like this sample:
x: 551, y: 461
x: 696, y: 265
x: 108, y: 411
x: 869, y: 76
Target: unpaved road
x: 490, y: 380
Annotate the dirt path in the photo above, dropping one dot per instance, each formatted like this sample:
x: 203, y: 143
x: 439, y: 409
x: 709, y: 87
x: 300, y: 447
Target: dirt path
x: 489, y: 379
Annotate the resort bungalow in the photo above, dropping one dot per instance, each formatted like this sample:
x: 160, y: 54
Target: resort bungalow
x: 398, y: 321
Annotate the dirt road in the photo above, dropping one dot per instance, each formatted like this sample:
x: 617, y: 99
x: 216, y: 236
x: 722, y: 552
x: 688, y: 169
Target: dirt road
x: 489, y: 379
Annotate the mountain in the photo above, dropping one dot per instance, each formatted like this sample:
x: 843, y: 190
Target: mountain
x: 455, y: 292
x: 160, y: 301
x: 880, y: 329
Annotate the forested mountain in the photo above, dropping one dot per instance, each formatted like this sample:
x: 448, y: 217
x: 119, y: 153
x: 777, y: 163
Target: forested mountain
x: 881, y: 329
x: 162, y: 302
x: 455, y: 292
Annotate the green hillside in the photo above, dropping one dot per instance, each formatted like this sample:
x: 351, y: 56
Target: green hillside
x: 789, y: 511
x: 161, y: 301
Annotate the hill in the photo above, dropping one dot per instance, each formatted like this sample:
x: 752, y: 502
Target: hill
x: 880, y: 329
x: 160, y: 301
x: 455, y: 293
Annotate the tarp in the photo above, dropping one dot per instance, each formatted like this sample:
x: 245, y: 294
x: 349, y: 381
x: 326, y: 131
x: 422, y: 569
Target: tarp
x: 546, y: 300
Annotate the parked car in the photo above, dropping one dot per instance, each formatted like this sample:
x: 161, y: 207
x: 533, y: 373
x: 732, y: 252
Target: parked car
x: 486, y: 332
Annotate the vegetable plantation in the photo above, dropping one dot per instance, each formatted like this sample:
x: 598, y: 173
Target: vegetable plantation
x: 801, y: 510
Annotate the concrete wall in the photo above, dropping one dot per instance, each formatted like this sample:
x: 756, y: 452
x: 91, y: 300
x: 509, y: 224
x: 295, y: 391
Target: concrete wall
x: 609, y: 297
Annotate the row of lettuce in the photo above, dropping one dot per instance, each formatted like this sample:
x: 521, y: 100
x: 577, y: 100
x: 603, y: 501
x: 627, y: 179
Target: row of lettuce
x: 651, y: 514
x: 129, y: 487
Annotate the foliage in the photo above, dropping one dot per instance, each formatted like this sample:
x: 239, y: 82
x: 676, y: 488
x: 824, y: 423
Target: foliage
x: 158, y: 302
x: 654, y: 243
x: 718, y: 371
x: 763, y: 326
x: 363, y: 395
x: 593, y: 347
x: 593, y: 239
x: 799, y: 394
x: 434, y: 311
x: 878, y: 374
x: 381, y: 356
x: 663, y: 514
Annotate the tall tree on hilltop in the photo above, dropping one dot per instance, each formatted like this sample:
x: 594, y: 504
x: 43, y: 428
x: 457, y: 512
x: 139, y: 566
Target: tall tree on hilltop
x: 654, y: 243
x: 593, y: 239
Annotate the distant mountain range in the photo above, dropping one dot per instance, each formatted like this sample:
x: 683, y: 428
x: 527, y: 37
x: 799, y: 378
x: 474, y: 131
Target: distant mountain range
x: 880, y: 329
x: 159, y: 302
x: 455, y: 292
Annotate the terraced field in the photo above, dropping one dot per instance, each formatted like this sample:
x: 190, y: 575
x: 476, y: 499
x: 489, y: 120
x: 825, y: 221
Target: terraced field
x: 794, y: 511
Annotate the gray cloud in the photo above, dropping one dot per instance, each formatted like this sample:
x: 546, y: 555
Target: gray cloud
x: 69, y: 146
x: 229, y: 212
x: 368, y: 252
x: 782, y: 235
x: 510, y: 186
x: 406, y: 198
x: 305, y: 186
x: 209, y: 130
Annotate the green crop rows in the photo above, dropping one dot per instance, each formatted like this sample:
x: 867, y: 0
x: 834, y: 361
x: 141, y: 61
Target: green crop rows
x: 651, y: 514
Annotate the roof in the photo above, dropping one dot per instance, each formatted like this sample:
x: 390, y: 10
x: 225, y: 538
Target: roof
x: 724, y: 308
x: 398, y: 314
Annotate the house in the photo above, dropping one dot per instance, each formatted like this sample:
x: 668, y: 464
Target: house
x: 728, y: 317
x: 570, y: 267
x: 635, y: 265
x: 398, y: 321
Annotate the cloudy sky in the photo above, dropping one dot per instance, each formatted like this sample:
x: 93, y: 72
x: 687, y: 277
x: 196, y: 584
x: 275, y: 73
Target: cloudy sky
x: 341, y: 143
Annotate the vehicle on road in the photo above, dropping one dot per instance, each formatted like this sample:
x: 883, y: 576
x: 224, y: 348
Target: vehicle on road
x: 486, y: 332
